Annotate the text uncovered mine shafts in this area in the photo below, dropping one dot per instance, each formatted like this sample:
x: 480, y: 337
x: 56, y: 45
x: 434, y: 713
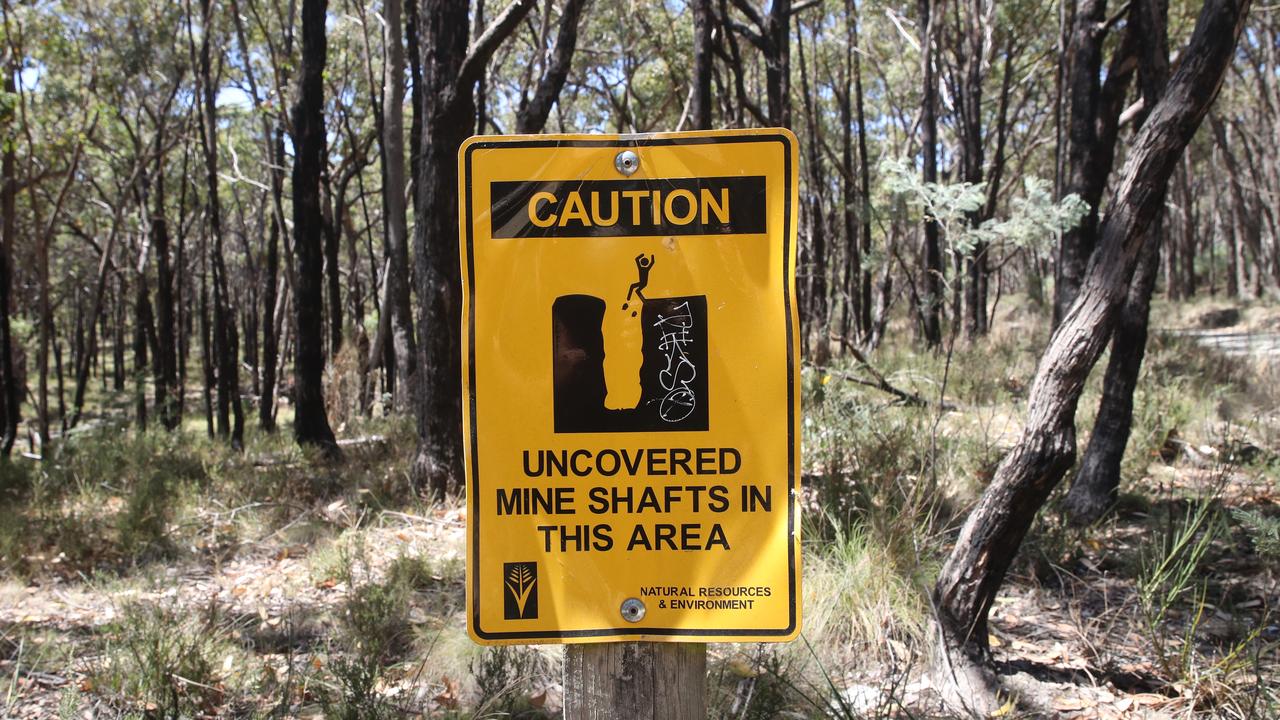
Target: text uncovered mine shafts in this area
x: 577, y: 484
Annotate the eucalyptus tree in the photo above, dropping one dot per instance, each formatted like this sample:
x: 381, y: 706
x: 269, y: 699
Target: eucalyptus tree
x: 446, y: 108
x: 974, y: 571
x: 311, y: 422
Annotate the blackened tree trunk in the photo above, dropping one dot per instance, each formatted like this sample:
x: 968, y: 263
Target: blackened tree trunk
x: 817, y: 285
x: 930, y: 251
x: 10, y: 399
x: 270, y: 289
x: 142, y: 318
x: 166, y: 362
x: 531, y: 116
x: 397, y: 304
x: 969, y: 49
x: 273, y: 147
x: 851, y: 311
x: 1094, y: 489
x: 700, y: 112
x: 988, y: 541
x: 771, y: 35
x: 229, y: 410
x: 864, y: 176
x: 208, y: 375
x: 331, y: 224
x: 310, y: 424
x: 447, y: 110
x: 1093, y: 116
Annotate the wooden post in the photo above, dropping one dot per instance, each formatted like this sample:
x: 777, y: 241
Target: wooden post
x: 635, y: 681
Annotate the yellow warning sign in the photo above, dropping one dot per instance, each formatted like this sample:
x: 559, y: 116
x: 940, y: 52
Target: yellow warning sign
x: 631, y: 375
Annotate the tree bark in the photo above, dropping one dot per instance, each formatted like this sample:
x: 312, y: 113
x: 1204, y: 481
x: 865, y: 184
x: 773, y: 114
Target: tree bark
x: 447, y: 109
x: 817, y: 285
x: 1093, y: 123
x: 972, y: 575
x: 166, y: 363
x: 310, y: 423
x: 10, y: 400
x: 1094, y: 489
x: 229, y: 411
x: 930, y: 251
x: 700, y: 112
x: 398, y: 303
x: 851, y: 311
x: 531, y: 116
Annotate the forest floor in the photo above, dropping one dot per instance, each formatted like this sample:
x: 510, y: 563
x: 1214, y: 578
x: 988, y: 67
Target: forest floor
x: 146, y: 575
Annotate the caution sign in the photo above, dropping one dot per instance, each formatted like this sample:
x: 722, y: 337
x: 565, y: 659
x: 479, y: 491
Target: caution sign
x: 631, y: 382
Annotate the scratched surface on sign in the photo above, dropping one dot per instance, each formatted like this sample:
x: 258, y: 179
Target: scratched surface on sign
x: 631, y: 387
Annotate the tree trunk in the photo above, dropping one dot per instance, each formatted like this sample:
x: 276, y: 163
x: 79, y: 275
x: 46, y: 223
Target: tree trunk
x: 531, y: 116
x: 972, y: 575
x: 864, y: 176
x: 1095, y: 486
x: 166, y: 375
x: 930, y: 252
x: 1097, y: 482
x: 310, y: 423
x: 447, y: 108
x: 10, y: 400
x: 227, y: 362
x: 398, y: 300
x: 817, y: 300
x: 270, y: 289
x: 1093, y: 121
x: 777, y: 72
x: 700, y: 112
x: 141, y: 318
x: 332, y: 209
x: 851, y: 312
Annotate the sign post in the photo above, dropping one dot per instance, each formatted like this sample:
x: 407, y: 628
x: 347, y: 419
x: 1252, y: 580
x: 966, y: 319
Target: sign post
x: 631, y: 402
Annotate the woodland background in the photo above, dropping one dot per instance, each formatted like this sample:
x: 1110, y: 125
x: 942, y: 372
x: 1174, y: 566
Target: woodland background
x: 230, y: 370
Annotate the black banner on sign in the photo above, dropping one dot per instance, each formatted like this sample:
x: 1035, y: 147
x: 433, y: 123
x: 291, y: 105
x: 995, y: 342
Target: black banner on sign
x: 626, y: 208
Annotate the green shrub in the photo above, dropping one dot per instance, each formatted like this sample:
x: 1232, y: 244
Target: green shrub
x: 166, y: 660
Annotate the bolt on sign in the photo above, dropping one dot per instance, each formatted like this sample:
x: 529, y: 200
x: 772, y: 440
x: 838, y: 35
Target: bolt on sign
x: 630, y: 365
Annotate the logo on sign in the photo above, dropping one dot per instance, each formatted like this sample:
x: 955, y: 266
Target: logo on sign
x: 520, y: 601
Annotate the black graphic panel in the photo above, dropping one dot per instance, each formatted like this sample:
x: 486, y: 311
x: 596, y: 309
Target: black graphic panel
x: 520, y: 591
x: 673, y: 374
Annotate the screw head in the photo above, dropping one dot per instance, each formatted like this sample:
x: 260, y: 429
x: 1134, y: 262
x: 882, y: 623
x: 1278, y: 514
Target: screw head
x: 627, y: 162
x: 632, y: 610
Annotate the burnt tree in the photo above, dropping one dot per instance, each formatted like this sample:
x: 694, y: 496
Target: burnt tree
x: 531, y: 115
x: 700, y: 110
x: 973, y: 573
x: 310, y: 423
x: 1093, y: 121
x: 1094, y: 488
x: 930, y: 310
x: 445, y: 111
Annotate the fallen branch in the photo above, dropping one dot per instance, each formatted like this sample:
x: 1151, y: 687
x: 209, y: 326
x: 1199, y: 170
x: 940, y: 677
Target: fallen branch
x: 878, y: 381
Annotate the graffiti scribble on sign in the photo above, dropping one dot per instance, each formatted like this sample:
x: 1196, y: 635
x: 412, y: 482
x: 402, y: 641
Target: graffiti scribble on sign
x: 677, y: 377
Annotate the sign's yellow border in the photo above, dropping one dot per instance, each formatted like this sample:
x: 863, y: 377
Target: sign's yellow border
x: 471, y: 451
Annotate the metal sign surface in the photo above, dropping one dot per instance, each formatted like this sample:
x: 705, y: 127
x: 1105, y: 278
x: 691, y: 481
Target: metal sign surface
x: 631, y: 385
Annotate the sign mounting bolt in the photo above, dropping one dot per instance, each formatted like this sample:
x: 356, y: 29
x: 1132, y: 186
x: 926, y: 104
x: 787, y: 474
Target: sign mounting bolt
x: 627, y: 162
x: 632, y: 610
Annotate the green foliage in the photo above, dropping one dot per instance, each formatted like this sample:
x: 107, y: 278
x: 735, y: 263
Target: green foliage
x: 1034, y: 221
x: 166, y: 659
x: 502, y: 675
x: 357, y: 697
x: 1264, y: 530
x: 375, y: 615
